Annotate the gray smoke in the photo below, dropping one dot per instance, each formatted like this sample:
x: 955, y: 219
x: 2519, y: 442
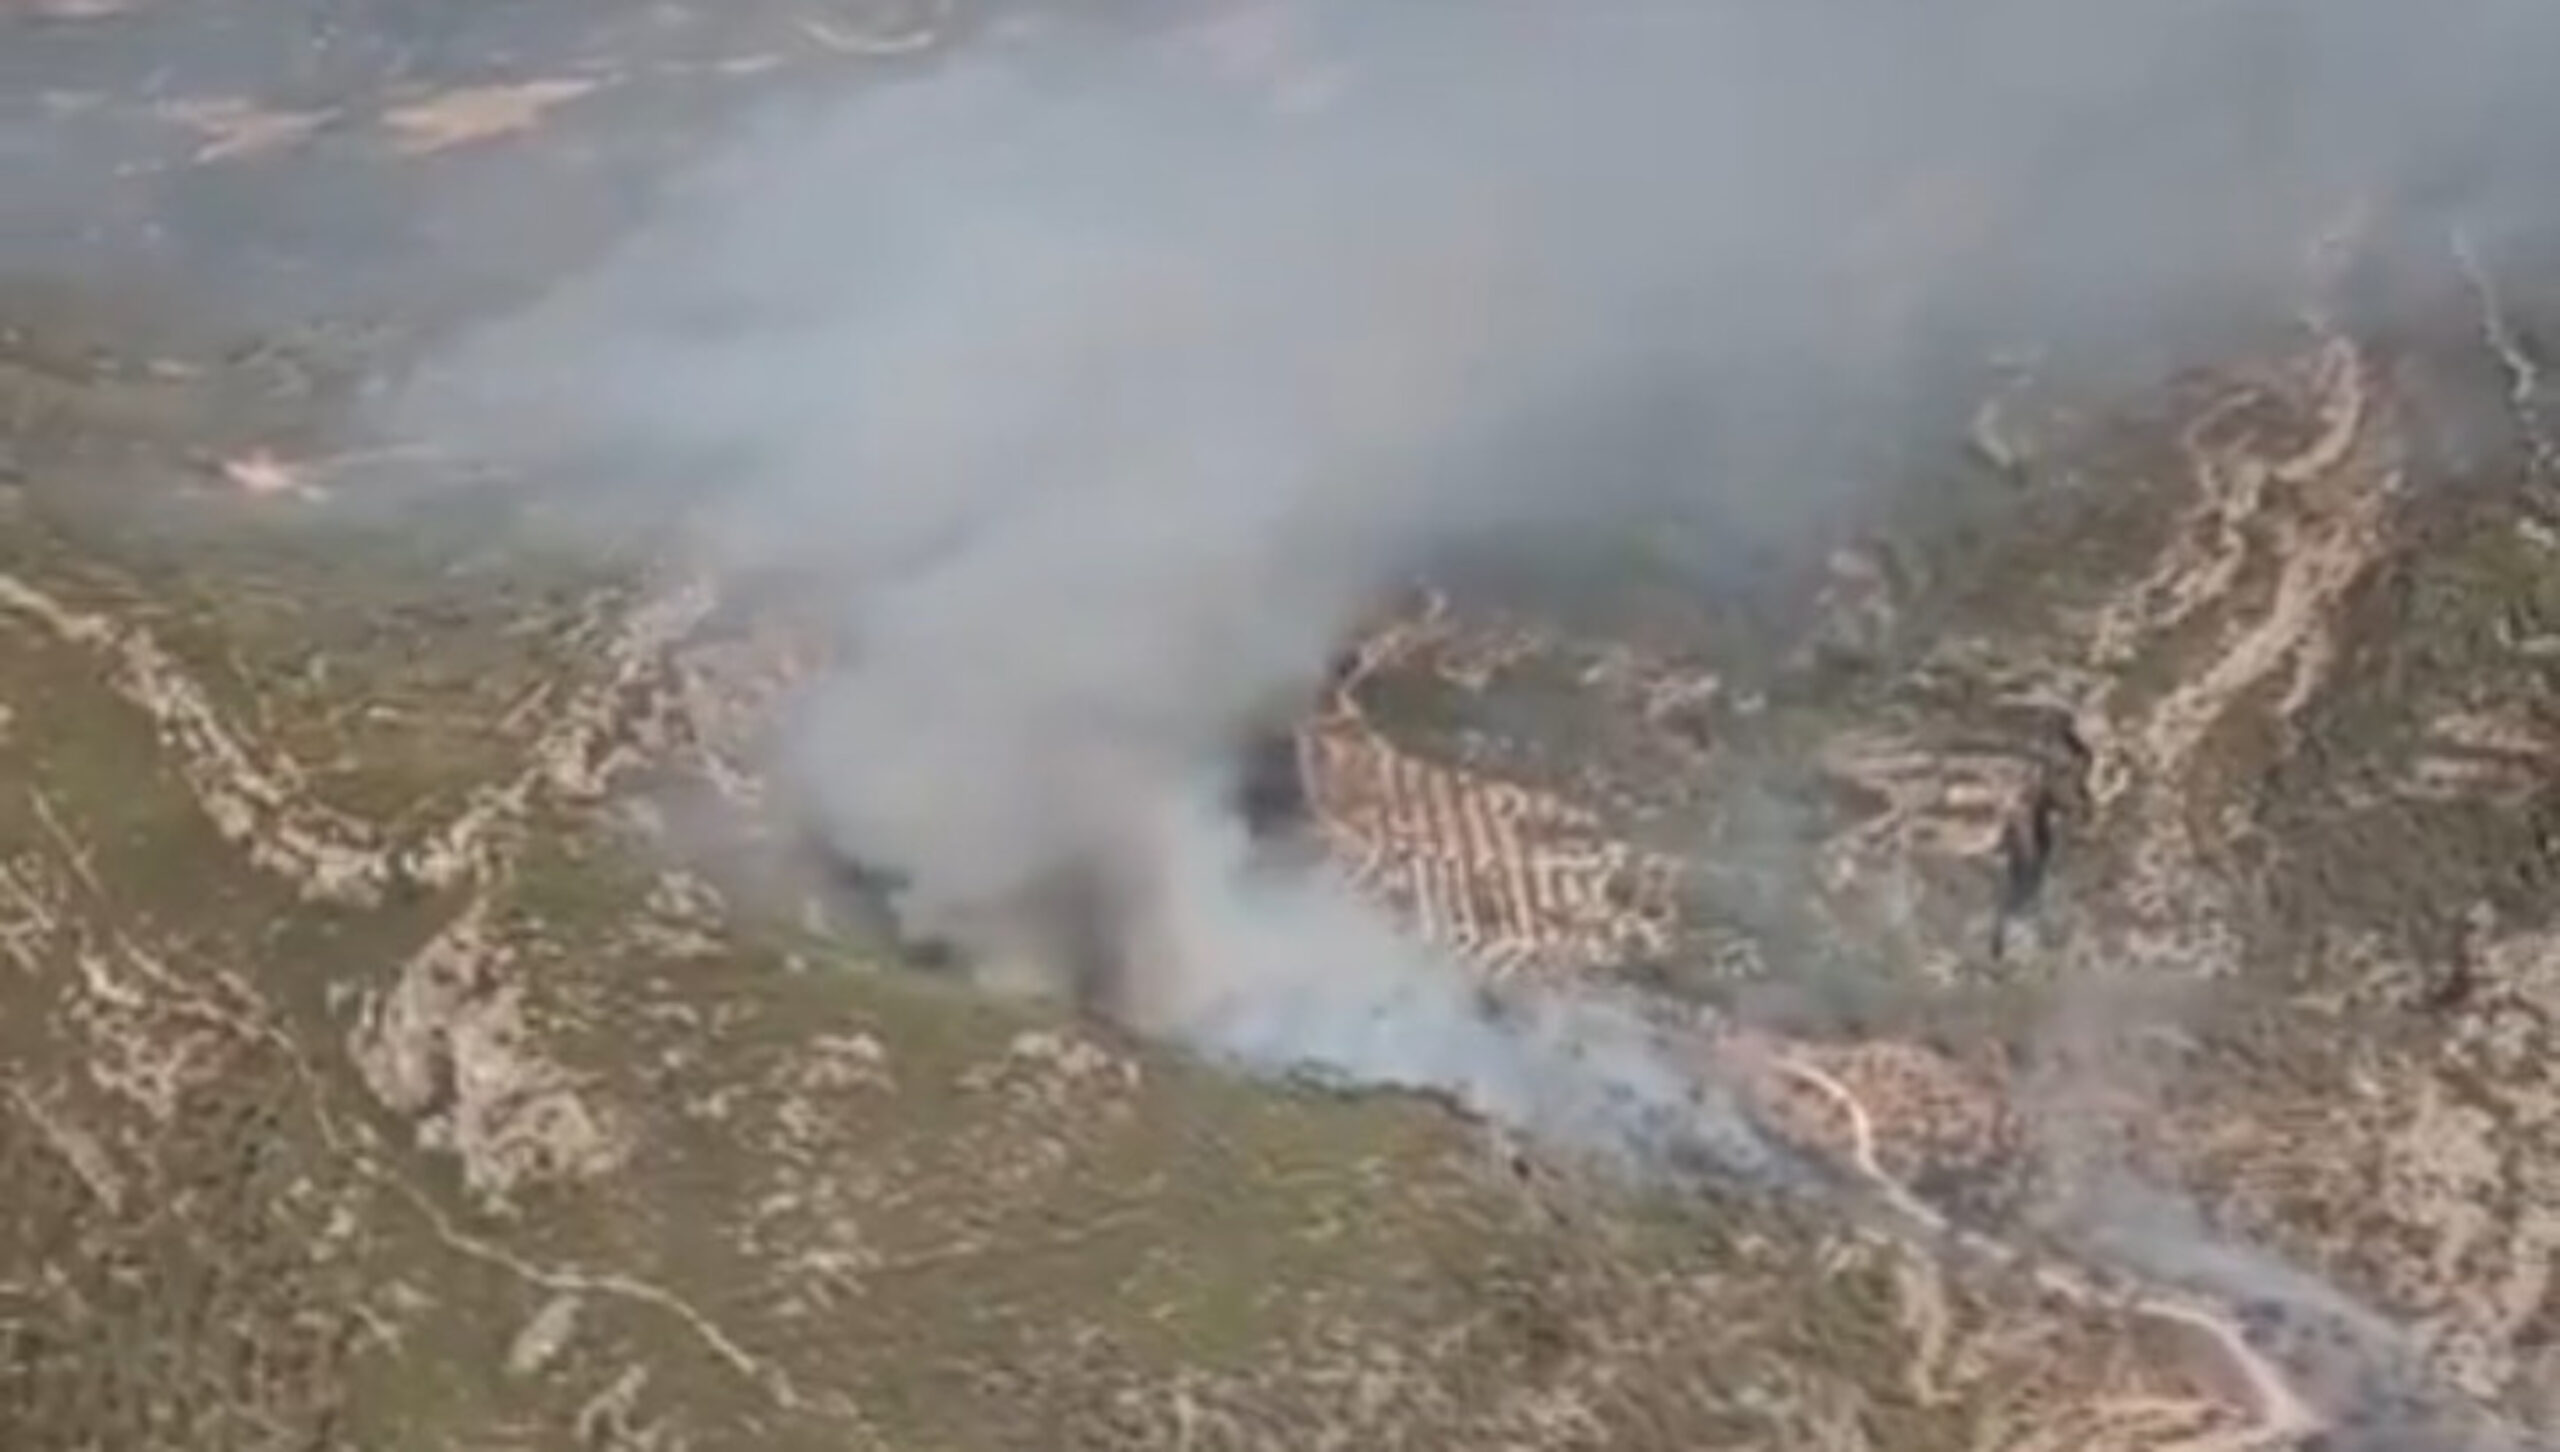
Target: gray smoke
x: 1098, y: 395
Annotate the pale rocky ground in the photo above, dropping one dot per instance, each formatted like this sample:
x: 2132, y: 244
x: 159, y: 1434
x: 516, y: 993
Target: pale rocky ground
x: 375, y: 1079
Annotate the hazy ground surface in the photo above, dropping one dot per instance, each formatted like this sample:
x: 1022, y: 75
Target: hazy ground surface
x: 368, y: 1083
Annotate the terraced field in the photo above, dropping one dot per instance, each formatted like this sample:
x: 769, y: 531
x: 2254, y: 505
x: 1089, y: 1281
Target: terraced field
x: 426, y: 1028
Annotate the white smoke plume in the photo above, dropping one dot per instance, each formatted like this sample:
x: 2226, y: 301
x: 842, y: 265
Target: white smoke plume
x: 1099, y: 395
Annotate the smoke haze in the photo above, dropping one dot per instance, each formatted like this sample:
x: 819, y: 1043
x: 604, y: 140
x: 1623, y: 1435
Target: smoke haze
x: 1099, y: 388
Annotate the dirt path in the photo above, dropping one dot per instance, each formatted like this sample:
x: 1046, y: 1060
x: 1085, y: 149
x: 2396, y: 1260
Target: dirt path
x: 378, y: 1075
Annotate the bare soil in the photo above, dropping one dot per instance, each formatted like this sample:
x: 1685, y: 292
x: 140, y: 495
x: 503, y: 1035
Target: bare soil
x: 373, y: 1078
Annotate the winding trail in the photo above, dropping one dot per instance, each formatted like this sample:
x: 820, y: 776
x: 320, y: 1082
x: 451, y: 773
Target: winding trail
x: 2281, y: 1414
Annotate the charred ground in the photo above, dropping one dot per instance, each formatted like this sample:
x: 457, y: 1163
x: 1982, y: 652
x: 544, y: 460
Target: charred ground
x: 374, y: 1080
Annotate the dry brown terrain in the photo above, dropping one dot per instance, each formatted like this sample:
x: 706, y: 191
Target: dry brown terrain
x: 377, y: 1077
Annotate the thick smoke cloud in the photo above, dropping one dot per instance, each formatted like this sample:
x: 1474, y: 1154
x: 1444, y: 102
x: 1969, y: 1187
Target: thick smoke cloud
x: 1099, y: 394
